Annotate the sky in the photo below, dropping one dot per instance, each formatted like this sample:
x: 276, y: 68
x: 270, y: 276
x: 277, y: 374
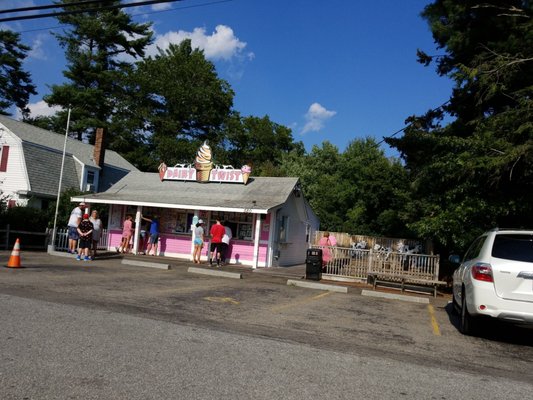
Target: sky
x: 335, y: 70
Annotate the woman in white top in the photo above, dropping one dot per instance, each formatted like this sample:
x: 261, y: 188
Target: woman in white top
x: 97, y: 230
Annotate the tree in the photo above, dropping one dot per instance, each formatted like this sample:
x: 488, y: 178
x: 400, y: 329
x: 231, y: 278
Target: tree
x: 177, y: 101
x: 95, y: 46
x: 475, y: 172
x: 376, y: 191
x: 261, y: 142
x: 15, y: 84
x: 359, y: 191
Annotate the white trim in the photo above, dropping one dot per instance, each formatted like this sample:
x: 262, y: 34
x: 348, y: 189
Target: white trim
x: 137, y: 230
x: 168, y: 205
x: 256, y: 240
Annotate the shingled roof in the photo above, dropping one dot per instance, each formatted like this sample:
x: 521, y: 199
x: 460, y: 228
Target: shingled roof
x: 260, y: 195
x: 43, y: 151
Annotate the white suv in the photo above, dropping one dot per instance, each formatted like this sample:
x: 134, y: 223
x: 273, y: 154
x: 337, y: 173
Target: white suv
x: 495, y: 279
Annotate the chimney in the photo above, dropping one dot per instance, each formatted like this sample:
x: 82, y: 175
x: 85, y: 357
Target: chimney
x: 99, y: 147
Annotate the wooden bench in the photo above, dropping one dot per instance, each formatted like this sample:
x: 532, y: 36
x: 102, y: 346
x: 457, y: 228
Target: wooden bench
x: 403, y: 280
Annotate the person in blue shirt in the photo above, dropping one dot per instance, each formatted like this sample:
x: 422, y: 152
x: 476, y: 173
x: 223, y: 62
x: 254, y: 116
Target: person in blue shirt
x: 154, y: 234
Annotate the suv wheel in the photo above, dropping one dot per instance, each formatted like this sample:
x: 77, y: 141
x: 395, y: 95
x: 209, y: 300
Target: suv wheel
x: 467, y: 324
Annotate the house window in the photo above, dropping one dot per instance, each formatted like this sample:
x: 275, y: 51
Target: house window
x: 284, y: 229
x: 3, y: 158
x: 90, y: 177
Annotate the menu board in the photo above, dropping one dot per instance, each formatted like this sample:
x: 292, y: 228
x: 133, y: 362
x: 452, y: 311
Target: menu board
x: 244, y: 231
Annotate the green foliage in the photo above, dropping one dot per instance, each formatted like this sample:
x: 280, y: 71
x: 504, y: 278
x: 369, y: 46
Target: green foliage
x: 65, y: 207
x: 359, y: 191
x: 173, y: 102
x: 24, y: 218
x: 476, y: 172
x: 93, y: 45
x: 15, y: 83
x: 259, y: 141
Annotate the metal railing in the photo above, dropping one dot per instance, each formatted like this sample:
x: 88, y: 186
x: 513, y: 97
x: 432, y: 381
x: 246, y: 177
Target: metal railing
x: 359, y: 263
x: 61, y: 243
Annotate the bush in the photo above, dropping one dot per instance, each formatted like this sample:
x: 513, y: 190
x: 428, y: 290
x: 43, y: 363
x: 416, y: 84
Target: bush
x: 24, y: 219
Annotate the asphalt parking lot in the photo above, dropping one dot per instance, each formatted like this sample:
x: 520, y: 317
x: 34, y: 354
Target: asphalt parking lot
x: 261, y: 304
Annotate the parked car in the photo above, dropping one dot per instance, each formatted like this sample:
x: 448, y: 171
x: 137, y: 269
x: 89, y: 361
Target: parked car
x: 495, y: 279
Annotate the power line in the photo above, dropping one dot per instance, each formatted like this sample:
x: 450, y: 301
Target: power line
x: 49, y: 6
x: 142, y: 13
x: 408, y: 125
x: 87, y: 10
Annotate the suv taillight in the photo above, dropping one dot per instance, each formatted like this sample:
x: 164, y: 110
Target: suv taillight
x: 482, y: 272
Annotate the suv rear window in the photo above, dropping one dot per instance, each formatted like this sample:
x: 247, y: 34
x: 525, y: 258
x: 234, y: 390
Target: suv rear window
x: 516, y: 247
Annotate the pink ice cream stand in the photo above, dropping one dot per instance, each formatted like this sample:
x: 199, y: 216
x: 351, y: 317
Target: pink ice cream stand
x: 272, y: 224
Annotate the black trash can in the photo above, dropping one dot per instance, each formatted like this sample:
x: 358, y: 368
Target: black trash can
x: 313, y: 264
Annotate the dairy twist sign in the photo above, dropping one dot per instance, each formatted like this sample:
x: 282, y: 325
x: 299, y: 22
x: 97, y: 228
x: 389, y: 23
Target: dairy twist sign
x: 203, y: 170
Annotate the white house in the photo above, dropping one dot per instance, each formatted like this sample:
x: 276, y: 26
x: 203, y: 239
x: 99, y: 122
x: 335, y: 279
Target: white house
x: 30, y: 164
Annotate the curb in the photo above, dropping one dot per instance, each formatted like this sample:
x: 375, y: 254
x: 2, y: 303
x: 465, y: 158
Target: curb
x: 146, y: 264
x: 393, y: 296
x: 214, y: 272
x: 61, y: 254
x: 319, y: 286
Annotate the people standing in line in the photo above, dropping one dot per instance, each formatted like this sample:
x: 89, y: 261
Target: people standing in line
x: 154, y: 234
x: 327, y: 241
x: 85, y: 231
x: 225, y: 242
x: 217, y: 231
x: 198, y: 242
x: 127, y: 232
x: 73, y: 222
x: 97, y: 231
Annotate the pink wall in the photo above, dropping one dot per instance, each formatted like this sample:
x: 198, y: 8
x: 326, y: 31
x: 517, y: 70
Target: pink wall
x: 240, y: 251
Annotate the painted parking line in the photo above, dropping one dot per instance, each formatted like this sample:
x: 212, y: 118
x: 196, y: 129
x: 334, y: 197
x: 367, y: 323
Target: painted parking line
x: 301, y: 302
x: 434, y: 323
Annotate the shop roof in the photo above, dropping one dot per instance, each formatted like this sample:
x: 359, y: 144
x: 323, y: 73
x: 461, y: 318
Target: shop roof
x: 260, y: 195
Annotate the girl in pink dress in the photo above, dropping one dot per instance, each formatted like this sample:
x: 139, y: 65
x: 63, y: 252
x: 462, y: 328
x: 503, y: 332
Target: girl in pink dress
x: 127, y: 232
x: 326, y: 241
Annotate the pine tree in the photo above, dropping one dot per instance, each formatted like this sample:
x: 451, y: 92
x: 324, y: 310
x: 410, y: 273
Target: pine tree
x: 96, y: 45
x: 15, y: 84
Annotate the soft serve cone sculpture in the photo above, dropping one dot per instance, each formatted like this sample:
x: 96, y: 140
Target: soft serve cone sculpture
x: 203, y: 163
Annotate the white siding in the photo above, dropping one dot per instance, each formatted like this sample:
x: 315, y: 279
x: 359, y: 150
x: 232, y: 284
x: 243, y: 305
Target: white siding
x: 16, y: 177
x: 294, y: 250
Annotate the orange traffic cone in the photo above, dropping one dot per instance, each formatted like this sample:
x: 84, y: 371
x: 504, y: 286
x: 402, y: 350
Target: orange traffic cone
x: 14, y: 260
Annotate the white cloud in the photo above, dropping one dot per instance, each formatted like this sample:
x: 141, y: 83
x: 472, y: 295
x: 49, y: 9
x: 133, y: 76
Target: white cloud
x: 222, y: 44
x: 37, y: 52
x: 316, y: 116
x: 161, y: 6
x: 40, y: 109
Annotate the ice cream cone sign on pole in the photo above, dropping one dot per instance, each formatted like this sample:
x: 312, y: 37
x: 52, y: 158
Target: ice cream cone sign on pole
x: 14, y: 260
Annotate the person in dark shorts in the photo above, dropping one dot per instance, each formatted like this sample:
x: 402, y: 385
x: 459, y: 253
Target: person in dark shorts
x: 85, y: 230
x: 154, y: 234
x: 73, y: 222
x: 217, y: 231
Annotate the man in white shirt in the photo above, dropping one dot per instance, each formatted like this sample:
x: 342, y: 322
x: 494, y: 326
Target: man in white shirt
x: 225, y: 242
x: 73, y: 222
